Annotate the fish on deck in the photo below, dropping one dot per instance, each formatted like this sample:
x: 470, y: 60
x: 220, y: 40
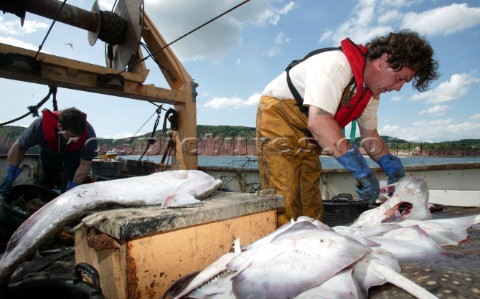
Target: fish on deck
x: 456, y: 277
x: 179, y: 188
x: 261, y: 270
x: 409, y: 201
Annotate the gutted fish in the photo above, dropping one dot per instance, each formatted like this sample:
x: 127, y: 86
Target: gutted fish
x: 298, y: 259
x: 450, y: 231
x: 302, y: 255
x: 411, y: 243
x: 409, y: 201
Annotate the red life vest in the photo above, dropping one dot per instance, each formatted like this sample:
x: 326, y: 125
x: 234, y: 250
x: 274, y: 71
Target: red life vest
x: 357, y: 59
x: 356, y: 56
x: 49, y: 125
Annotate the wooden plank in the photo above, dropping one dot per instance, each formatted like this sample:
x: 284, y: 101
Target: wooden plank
x: 178, y: 79
x: 173, y: 71
x: 138, y: 76
x: 458, y: 198
x: 110, y: 264
x: 157, y: 262
x: 67, y: 73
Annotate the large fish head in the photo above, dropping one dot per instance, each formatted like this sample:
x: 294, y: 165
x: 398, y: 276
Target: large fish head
x: 386, y: 213
x: 412, y: 190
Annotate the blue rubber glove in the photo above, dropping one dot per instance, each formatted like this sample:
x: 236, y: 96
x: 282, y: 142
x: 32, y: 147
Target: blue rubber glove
x: 71, y: 185
x: 12, y: 174
x: 368, y: 187
x: 393, y: 168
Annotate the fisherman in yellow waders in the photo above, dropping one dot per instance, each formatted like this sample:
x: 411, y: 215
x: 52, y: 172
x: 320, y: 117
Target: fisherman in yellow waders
x: 302, y: 112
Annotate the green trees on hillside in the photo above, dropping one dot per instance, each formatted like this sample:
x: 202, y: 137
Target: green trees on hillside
x: 12, y: 132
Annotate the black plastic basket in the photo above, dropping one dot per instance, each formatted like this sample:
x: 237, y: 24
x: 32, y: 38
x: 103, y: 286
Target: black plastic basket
x: 342, y: 210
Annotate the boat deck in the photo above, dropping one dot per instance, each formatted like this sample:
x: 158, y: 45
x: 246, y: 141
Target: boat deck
x: 456, y: 278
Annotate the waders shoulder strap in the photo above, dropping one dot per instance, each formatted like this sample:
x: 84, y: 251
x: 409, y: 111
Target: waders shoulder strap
x: 292, y: 88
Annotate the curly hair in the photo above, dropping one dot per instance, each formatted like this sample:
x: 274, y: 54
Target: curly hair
x: 407, y: 49
x: 73, y: 119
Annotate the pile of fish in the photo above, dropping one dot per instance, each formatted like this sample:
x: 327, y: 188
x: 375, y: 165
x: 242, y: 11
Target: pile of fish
x: 308, y: 259
x: 179, y: 188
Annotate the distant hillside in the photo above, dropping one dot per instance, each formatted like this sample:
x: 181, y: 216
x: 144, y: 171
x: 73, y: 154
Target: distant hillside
x: 239, y: 140
x: 226, y: 131
x: 8, y: 135
x: 11, y: 132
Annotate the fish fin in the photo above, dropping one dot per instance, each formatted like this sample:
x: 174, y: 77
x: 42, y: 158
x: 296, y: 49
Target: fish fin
x: 411, y: 243
x: 207, y: 274
x: 476, y: 220
x: 181, y: 200
x: 400, y: 281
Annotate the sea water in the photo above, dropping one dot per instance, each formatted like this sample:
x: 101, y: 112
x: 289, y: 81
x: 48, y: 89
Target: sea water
x: 250, y: 162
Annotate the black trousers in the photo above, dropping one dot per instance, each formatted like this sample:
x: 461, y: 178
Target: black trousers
x: 54, y: 165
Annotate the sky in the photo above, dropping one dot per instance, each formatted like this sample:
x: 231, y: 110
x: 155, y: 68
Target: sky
x: 234, y: 57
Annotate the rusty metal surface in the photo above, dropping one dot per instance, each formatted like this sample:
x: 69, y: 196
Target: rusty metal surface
x: 101, y: 241
x: 132, y: 280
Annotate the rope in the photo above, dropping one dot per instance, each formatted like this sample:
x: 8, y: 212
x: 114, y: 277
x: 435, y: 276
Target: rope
x: 34, y: 109
x: 172, y: 116
x: 151, y: 140
x: 50, y: 29
x: 53, y: 89
x: 144, y: 124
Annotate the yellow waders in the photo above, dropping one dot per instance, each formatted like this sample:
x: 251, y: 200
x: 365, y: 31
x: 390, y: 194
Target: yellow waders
x: 287, y: 160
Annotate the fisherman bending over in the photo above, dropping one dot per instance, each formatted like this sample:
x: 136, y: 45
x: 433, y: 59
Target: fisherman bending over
x: 67, y: 145
x: 303, y: 111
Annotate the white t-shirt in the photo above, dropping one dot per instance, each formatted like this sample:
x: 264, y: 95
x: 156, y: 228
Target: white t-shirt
x: 321, y: 80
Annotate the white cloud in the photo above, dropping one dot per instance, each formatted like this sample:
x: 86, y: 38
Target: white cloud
x: 232, y: 103
x: 279, y: 40
x: 476, y: 116
x: 272, y: 15
x: 361, y: 25
x: 175, y: 18
x: 14, y: 28
x: 389, y: 4
x: 389, y: 17
x: 419, y: 123
x: 389, y: 129
x: 18, y: 43
x: 459, y: 128
x: 437, y: 110
x: 374, y: 18
x: 443, y: 20
x: 120, y: 135
x: 106, y: 4
x: 456, y: 88
x: 438, y: 130
x: 396, y: 99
